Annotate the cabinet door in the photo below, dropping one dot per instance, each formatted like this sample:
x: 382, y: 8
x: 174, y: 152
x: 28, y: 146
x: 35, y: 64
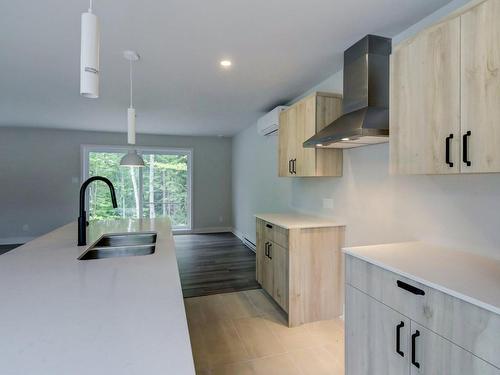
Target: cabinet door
x: 267, y: 271
x: 287, y: 140
x: 279, y: 256
x: 371, y: 337
x: 480, y: 71
x: 259, y: 250
x: 434, y: 355
x: 425, y: 102
x: 306, y: 128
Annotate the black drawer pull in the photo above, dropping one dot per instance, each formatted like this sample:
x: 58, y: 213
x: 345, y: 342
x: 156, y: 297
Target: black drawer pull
x: 294, y: 166
x: 269, y: 253
x: 413, y: 350
x: 410, y: 288
x: 266, y: 252
x: 465, y: 148
x: 269, y: 226
x: 448, y: 159
x: 398, y: 339
x: 290, y: 166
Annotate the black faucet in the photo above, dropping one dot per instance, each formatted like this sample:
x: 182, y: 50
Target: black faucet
x: 82, y: 219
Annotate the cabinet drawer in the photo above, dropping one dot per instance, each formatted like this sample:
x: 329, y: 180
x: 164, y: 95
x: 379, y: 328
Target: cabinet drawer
x: 471, y: 327
x: 276, y: 234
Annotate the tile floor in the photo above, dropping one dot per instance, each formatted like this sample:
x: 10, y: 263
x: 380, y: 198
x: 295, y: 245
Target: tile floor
x: 245, y: 333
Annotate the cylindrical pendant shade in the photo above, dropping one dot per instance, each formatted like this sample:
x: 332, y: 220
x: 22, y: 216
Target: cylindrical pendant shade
x: 89, y: 57
x: 131, y: 126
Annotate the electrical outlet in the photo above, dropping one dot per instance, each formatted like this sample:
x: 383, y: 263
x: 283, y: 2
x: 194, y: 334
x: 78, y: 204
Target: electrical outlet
x: 221, y: 219
x: 328, y: 203
x: 26, y: 228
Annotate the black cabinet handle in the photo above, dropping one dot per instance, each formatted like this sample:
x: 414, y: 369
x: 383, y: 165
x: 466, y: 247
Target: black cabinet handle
x: 448, y: 141
x: 266, y: 247
x: 398, y: 339
x: 269, y: 253
x: 410, y: 288
x: 465, y: 148
x: 269, y: 226
x: 290, y: 166
x: 294, y: 166
x: 413, y: 350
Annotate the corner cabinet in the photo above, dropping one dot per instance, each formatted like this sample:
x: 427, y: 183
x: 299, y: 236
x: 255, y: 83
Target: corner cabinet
x: 298, y: 123
x: 445, y: 90
x: 396, y: 326
x: 300, y: 267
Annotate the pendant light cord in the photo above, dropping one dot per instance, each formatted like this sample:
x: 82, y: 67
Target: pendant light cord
x: 90, y: 6
x: 131, y: 86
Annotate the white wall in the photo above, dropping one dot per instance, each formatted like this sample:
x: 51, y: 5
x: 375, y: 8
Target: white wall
x: 462, y: 210
x: 40, y: 178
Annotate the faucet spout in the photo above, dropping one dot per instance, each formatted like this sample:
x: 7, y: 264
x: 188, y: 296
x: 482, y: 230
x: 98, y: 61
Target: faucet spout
x: 82, y: 219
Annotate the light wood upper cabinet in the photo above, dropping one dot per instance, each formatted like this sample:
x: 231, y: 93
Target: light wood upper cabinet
x: 480, y: 78
x: 445, y: 82
x: 425, y: 102
x: 300, y: 122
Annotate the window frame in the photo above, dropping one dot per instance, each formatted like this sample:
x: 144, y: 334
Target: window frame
x: 86, y: 149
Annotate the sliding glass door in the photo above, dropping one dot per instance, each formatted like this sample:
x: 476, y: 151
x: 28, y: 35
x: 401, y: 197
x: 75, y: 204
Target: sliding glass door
x: 161, y: 189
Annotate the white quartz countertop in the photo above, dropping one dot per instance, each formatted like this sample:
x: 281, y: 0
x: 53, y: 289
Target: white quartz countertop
x: 60, y: 315
x: 294, y: 221
x: 470, y: 277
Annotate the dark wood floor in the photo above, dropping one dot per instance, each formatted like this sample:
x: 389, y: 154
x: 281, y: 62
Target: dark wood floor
x: 214, y: 263
x: 6, y: 248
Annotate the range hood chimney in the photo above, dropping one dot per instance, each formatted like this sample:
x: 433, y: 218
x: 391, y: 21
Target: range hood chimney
x: 366, y: 98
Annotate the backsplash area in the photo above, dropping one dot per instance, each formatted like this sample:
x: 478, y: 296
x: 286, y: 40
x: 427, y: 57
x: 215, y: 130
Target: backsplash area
x: 457, y: 210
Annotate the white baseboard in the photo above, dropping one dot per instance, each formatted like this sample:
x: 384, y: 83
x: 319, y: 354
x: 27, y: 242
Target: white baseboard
x: 245, y: 240
x: 15, y: 240
x: 203, y: 230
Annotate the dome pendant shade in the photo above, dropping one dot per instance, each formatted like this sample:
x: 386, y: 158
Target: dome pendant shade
x: 89, y: 56
x: 132, y: 159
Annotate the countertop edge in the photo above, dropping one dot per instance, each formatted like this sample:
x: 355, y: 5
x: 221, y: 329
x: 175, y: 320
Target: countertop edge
x: 444, y: 289
x: 326, y: 224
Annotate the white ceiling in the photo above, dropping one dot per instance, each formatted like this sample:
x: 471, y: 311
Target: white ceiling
x: 279, y: 50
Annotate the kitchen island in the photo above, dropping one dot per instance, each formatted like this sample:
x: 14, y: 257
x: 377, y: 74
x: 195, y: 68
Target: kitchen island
x: 124, y: 315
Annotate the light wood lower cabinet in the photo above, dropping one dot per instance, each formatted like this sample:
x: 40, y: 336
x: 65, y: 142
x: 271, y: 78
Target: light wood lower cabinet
x: 370, y: 336
x: 301, y: 269
x: 435, y: 355
x: 451, y: 336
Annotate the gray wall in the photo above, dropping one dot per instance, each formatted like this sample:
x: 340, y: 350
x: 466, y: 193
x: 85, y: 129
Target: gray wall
x: 40, y: 178
x: 462, y: 210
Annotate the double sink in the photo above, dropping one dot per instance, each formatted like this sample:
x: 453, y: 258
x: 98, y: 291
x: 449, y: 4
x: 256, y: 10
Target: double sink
x: 121, y: 245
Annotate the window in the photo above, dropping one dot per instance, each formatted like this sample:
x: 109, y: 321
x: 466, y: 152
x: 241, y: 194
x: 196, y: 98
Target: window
x: 162, y: 188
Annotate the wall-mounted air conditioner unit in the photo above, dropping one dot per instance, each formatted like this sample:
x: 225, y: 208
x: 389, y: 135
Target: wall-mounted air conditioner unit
x: 270, y: 122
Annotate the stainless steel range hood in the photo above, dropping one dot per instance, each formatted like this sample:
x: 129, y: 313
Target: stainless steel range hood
x: 366, y: 98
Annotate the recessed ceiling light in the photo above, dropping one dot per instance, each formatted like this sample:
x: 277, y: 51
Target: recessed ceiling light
x: 345, y: 139
x: 226, y: 63
x: 320, y: 145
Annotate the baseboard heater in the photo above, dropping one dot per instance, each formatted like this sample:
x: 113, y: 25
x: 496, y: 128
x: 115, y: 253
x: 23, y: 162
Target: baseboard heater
x: 249, y: 244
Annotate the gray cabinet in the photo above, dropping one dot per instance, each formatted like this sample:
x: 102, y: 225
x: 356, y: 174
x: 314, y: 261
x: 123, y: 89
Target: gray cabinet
x: 371, y: 336
x: 438, y: 333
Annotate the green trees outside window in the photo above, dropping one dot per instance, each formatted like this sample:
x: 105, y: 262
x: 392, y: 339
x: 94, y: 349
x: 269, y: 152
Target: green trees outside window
x: 158, y: 190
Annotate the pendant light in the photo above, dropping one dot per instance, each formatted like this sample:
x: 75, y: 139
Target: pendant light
x: 132, y: 158
x: 89, y: 55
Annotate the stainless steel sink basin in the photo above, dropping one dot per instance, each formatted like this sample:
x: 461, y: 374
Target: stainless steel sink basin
x: 118, y: 251
x: 121, y: 245
x: 126, y: 239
